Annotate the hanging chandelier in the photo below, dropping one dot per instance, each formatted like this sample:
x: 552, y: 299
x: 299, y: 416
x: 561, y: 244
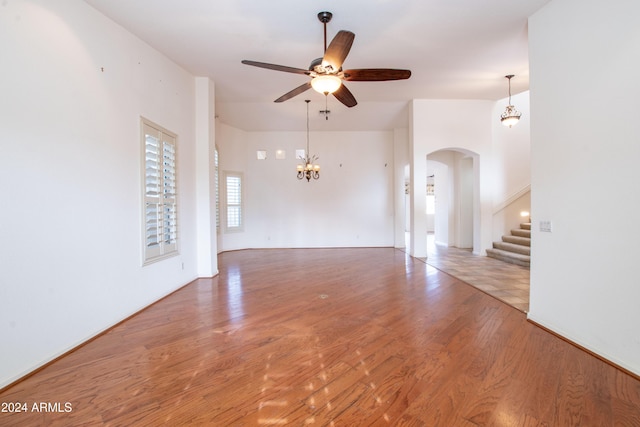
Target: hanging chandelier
x: 308, y: 169
x: 510, y: 116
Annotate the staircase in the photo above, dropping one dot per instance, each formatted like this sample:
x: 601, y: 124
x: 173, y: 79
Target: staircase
x: 516, y: 248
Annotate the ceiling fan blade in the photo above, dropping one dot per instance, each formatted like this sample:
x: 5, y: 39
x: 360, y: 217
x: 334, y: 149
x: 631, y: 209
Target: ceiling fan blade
x: 376, y: 74
x: 338, y: 50
x: 276, y: 67
x: 345, y: 96
x: 294, y: 92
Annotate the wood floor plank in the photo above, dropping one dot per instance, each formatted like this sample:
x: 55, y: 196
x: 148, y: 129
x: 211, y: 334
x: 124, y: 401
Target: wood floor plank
x: 329, y: 337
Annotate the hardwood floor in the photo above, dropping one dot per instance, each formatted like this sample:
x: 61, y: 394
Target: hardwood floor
x: 328, y: 337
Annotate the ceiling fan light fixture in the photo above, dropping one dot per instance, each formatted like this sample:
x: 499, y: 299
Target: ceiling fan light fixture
x: 326, y: 73
x: 326, y: 83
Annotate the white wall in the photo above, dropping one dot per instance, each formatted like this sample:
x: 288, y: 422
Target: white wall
x: 465, y: 196
x: 585, y: 146
x: 435, y: 126
x: 442, y: 164
x: 232, y: 157
x: 511, y: 149
x: 401, y: 164
x: 351, y: 205
x: 442, y: 169
x: 74, y: 86
x: 512, y: 166
x: 511, y: 216
x: 205, y: 177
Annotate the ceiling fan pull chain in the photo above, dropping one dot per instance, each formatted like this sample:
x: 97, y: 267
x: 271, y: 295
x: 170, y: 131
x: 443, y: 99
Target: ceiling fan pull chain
x: 326, y: 107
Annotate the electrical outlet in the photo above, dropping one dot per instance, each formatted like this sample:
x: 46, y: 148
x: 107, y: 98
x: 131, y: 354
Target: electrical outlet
x: 545, y: 226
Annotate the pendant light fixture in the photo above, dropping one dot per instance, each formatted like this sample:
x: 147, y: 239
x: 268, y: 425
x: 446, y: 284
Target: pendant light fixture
x: 308, y: 169
x: 510, y: 116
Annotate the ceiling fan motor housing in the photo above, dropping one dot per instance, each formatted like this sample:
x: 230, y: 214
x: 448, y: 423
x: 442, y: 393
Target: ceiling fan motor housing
x: 314, y: 64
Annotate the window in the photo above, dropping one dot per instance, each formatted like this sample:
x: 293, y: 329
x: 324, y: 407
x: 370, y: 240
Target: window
x: 160, y: 220
x: 233, y: 187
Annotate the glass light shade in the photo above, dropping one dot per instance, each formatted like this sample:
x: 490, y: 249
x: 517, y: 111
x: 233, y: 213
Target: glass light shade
x: 326, y: 83
x: 511, y: 116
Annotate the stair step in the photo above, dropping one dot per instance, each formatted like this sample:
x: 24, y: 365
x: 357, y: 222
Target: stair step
x: 525, y: 226
x: 512, y: 247
x: 521, y: 232
x: 518, y: 240
x: 510, y: 257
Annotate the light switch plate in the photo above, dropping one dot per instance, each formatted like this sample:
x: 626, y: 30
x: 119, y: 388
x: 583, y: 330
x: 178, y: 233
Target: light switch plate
x: 545, y: 226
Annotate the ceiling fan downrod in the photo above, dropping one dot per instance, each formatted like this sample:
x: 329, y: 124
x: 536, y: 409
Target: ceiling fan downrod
x: 325, y: 17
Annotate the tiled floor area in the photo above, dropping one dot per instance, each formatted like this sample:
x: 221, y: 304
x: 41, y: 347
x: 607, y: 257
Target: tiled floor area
x: 504, y: 281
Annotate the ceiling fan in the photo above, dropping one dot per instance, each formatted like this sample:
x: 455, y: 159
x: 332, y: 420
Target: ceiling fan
x: 326, y: 73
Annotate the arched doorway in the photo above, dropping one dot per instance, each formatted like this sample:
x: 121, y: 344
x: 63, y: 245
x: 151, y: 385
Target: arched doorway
x: 453, y: 183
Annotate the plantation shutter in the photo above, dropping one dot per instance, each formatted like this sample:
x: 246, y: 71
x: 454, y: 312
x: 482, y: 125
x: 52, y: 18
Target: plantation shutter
x: 169, y: 205
x: 152, y: 191
x: 234, y: 201
x: 160, y: 202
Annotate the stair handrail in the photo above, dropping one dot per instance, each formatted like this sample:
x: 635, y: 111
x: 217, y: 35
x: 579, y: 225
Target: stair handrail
x: 515, y: 196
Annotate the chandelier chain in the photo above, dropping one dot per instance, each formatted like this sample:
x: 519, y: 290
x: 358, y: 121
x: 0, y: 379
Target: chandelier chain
x: 307, y: 101
x: 308, y: 169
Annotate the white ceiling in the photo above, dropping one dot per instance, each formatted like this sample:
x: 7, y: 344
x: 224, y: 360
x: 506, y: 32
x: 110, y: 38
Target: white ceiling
x: 456, y: 49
